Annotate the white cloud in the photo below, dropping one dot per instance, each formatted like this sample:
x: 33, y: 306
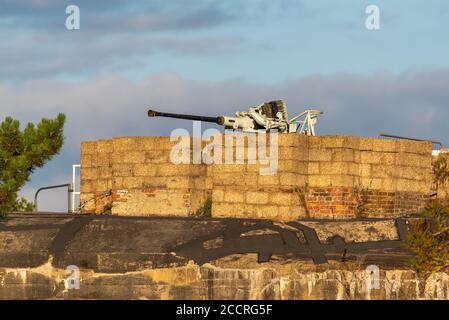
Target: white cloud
x: 109, y: 104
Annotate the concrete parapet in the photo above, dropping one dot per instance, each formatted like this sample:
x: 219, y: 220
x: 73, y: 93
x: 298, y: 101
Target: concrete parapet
x: 320, y: 177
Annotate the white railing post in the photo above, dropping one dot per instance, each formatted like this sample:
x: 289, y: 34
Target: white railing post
x: 74, y: 192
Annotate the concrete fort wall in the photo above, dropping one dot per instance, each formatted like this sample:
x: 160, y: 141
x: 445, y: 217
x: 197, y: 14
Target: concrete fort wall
x: 135, y: 176
x: 316, y: 177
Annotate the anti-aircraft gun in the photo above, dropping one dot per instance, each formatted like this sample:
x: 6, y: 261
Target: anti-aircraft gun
x: 267, y: 116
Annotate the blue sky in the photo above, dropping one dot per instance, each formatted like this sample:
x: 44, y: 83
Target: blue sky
x: 218, y: 57
x: 255, y: 40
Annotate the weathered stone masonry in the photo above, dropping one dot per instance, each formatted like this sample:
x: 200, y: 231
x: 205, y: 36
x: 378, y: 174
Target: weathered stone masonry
x: 319, y: 177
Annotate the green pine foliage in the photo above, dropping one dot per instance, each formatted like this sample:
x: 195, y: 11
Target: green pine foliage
x: 429, y: 237
x: 441, y: 173
x: 22, y: 152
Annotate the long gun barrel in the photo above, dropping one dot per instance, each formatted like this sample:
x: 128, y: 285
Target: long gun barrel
x: 217, y: 120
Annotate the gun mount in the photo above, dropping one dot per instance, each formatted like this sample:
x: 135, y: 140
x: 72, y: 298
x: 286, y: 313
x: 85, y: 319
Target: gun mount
x: 267, y: 116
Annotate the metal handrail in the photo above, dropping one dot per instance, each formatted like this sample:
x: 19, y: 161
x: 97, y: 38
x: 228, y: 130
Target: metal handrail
x: 69, y: 191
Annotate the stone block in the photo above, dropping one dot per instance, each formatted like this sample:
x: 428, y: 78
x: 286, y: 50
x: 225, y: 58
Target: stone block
x: 322, y: 155
x: 125, y: 144
x: 416, y: 147
x: 334, y: 168
x: 414, y: 160
x: 182, y: 182
x: 253, y: 168
x: 155, y: 182
x: 343, y: 155
x: 228, y: 168
x: 288, y: 153
x: 290, y: 213
x: 103, y: 160
x: 117, y: 183
x: 133, y: 182
x: 370, y: 157
x: 217, y: 195
x: 157, y: 156
x: 169, y: 170
x: 134, y: 157
x: 224, y: 210
x: 105, y: 172
x: 86, y: 160
x: 381, y: 171
x: 268, y: 180
x: 333, y: 142
x: 143, y: 170
x: 88, y: 148
x: 118, y: 157
x: 365, y: 170
x: 288, y: 179
x: 266, y: 212
x: 257, y: 197
x: 87, y: 186
x: 122, y: 170
x: 384, y: 145
x: 153, y: 202
x: 302, y: 167
x: 88, y: 173
x: 411, y: 173
x: 161, y: 143
x: 282, y: 198
x: 234, y: 196
x: 103, y: 185
x: 405, y: 184
x: 314, y: 168
x: 289, y: 140
x: 342, y: 181
x: 87, y: 201
x: 105, y: 146
x: 319, y: 180
x: 239, y: 179
x: 288, y: 166
x: 353, y: 169
x: 371, y: 183
x: 388, y: 185
x: 301, y: 180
